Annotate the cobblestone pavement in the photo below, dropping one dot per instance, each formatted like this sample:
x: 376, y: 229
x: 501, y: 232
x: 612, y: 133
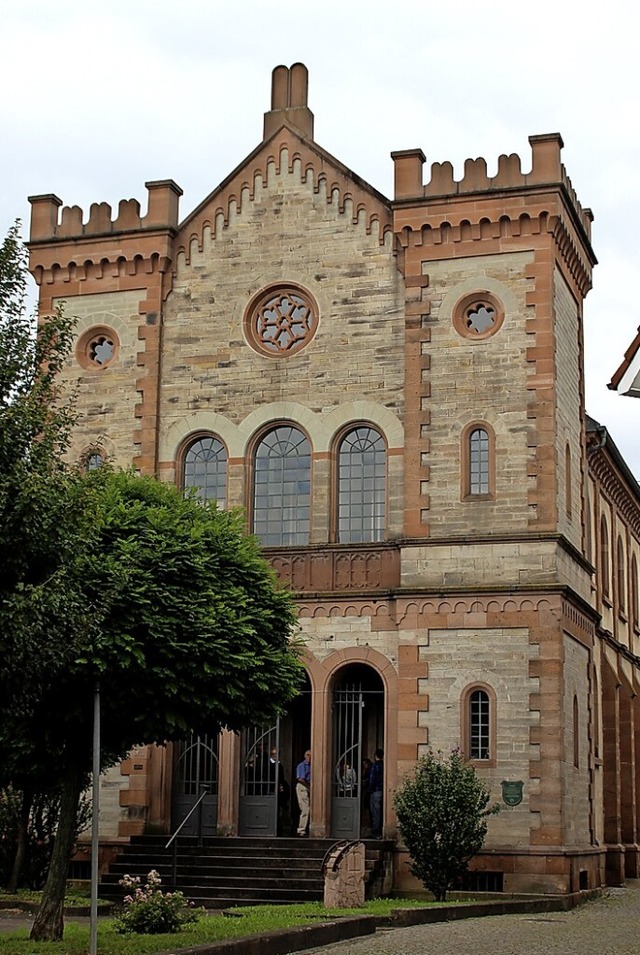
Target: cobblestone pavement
x: 607, y: 926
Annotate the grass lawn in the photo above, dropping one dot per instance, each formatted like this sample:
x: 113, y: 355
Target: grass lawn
x: 73, y: 897
x: 251, y: 920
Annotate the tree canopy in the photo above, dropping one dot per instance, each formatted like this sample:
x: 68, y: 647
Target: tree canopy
x: 35, y: 421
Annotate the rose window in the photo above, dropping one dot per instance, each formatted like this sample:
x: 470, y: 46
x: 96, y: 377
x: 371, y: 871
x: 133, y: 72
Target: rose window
x: 282, y: 321
x: 97, y: 348
x: 101, y: 350
x: 478, y: 316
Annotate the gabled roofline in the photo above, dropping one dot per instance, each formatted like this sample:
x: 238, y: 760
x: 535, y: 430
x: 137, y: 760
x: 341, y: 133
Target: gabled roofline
x: 322, y: 154
x: 626, y: 380
x: 604, y: 441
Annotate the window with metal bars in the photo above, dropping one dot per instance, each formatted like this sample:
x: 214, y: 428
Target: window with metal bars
x: 479, y: 462
x: 205, y: 469
x: 282, y: 488
x: 362, y: 474
x: 479, y: 725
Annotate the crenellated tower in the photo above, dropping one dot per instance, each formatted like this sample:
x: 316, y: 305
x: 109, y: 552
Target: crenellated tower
x: 519, y: 243
x: 93, y: 263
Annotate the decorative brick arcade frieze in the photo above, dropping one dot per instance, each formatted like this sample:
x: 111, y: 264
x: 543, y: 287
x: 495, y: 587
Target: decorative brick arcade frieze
x: 338, y: 568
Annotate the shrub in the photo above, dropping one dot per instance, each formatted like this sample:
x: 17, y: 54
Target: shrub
x: 150, y: 911
x: 442, y: 812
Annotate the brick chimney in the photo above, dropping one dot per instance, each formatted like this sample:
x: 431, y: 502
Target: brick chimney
x: 289, y: 87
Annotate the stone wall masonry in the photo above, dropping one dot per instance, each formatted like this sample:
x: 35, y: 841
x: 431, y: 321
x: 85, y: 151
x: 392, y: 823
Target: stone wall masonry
x: 498, y: 658
x: 288, y: 233
x: 107, y: 397
x: 468, y: 564
x: 569, y: 396
x: 324, y: 635
x: 483, y: 380
x: 112, y: 812
x: 577, y: 779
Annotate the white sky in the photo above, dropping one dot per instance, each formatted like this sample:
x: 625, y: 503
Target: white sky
x: 99, y: 98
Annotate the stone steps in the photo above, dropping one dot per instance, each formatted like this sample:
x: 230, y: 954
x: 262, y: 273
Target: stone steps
x: 228, y: 871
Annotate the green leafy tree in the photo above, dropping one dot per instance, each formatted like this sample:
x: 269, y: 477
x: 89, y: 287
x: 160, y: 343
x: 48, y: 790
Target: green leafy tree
x: 118, y: 580
x: 35, y: 421
x: 172, y: 609
x: 442, y: 812
x: 39, y: 833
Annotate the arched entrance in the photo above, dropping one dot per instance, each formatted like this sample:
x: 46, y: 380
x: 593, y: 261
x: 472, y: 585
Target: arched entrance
x: 268, y: 759
x: 196, y: 771
x: 357, y: 730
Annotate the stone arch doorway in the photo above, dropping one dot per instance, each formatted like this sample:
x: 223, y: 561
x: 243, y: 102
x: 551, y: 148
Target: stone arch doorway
x: 357, y: 730
x: 269, y: 755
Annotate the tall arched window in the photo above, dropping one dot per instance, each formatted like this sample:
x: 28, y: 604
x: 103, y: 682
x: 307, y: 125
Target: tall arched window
x: 479, y: 725
x: 633, y: 587
x: 205, y: 468
x: 621, y: 581
x: 282, y: 488
x: 604, y: 555
x: 362, y: 474
x: 477, y: 461
x: 596, y: 713
x: 568, y: 501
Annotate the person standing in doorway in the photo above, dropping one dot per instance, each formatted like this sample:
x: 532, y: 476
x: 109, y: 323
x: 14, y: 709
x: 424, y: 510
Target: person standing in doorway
x: 376, y: 779
x: 365, y: 798
x: 303, y: 788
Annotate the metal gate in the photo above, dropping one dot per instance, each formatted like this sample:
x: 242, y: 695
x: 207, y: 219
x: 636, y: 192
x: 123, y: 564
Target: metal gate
x: 196, y: 771
x: 348, y: 703
x: 261, y: 772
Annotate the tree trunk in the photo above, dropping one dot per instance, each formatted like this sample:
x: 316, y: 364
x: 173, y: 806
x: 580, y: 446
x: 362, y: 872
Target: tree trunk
x: 23, y: 838
x: 49, y: 924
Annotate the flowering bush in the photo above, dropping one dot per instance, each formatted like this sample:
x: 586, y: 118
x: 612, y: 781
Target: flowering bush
x: 150, y: 911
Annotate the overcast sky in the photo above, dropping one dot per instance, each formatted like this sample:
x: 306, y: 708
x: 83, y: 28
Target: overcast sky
x: 99, y: 98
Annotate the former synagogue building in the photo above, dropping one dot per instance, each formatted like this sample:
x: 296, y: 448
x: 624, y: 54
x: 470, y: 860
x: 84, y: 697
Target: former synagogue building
x: 393, y: 391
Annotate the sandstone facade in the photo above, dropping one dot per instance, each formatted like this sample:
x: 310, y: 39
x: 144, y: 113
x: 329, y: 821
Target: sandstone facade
x: 483, y: 602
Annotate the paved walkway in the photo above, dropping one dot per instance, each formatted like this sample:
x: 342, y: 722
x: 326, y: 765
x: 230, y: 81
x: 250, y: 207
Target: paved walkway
x: 607, y: 926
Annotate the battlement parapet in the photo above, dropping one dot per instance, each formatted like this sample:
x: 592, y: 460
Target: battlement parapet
x: 546, y: 169
x: 49, y: 224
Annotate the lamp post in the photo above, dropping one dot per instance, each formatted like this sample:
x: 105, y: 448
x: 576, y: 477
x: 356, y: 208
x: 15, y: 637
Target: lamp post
x: 95, y: 811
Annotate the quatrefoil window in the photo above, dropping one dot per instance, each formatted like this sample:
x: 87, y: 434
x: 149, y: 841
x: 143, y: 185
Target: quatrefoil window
x: 101, y: 350
x: 281, y: 320
x: 478, y: 316
x: 97, y: 348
